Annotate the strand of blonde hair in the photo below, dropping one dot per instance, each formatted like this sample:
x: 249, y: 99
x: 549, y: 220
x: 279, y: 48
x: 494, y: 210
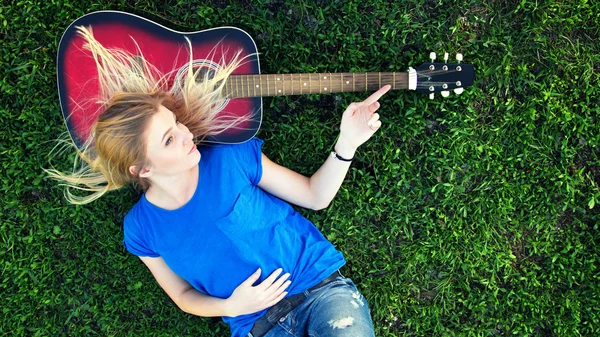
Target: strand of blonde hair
x: 120, y: 74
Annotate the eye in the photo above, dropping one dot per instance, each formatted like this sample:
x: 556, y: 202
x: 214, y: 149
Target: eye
x: 176, y: 121
x: 169, y: 140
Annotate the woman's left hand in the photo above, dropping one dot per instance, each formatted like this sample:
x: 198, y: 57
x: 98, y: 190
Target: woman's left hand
x: 360, y: 120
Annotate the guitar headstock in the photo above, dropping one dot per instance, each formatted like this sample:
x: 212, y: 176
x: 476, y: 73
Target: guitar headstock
x: 436, y: 77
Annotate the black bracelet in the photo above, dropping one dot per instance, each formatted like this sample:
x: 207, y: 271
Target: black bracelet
x: 334, y: 154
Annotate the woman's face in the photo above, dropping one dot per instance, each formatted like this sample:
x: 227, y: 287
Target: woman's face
x: 170, y: 149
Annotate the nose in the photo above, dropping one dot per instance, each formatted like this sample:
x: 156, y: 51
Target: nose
x: 187, y: 137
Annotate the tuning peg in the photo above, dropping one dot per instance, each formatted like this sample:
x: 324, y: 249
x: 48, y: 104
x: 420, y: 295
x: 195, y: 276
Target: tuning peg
x: 459, y: 91
x: 431, y: 96
x: 432, y: 56
x: 445, y: 93
x: 459, y: 57
x: 446, y: 58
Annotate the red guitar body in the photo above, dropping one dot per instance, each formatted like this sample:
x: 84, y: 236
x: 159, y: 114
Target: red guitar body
x: 162, y: 47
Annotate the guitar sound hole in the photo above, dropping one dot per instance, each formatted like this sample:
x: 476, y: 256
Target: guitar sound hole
x: 205, y: 73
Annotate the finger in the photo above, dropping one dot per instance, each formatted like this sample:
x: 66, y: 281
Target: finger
x: 279, y: 290
x: 253, y: 278
x: 276, y: 300
x: 277, y: 284
x: 374, y: 107
x: 283, y: 287
x: 374, y: 118
x: 376, y: 126
x: 269, y: 280
x: 377, y: 94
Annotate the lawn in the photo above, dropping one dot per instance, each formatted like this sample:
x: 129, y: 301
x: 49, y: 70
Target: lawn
x: 472, y: 215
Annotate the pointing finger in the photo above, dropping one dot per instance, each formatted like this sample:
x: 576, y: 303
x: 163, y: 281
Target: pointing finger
x: 377, y: 94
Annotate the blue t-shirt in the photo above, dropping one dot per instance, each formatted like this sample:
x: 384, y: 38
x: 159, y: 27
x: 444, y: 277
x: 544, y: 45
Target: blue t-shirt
x: 230, y: 228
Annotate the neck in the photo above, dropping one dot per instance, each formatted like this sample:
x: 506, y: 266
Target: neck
x: 173, y: 192
x: 298, y: 84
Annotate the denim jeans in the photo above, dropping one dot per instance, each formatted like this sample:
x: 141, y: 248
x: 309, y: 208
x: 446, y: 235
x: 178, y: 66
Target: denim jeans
x: 336, y: 309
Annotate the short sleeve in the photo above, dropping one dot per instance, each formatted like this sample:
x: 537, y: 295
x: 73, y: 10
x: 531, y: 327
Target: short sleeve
x: 249, y: 158
x: 134, y: 240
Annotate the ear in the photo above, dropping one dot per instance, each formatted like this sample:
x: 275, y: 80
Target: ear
x: 145, y: 172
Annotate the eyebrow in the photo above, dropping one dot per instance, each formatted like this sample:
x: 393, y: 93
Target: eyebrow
x: 169, y: 130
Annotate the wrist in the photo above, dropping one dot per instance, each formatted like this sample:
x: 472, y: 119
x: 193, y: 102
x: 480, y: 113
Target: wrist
x: 228, y: 308
x: 344, y: 148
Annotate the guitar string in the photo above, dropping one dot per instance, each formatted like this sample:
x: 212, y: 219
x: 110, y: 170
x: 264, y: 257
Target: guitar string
x: 387, y: 78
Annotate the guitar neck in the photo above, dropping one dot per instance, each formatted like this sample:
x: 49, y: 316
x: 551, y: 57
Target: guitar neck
x: 319, y: 83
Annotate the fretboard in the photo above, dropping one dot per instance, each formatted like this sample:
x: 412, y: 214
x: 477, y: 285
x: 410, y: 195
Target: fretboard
x: 300, y: 84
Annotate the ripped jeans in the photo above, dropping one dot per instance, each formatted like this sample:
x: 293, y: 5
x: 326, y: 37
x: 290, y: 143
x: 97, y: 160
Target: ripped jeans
x: 336, y: 309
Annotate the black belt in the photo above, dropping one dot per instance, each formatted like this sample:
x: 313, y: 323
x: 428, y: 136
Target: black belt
x: 283, y: 307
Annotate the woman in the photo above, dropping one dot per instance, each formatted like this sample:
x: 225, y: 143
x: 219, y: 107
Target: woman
x: 212, y: 225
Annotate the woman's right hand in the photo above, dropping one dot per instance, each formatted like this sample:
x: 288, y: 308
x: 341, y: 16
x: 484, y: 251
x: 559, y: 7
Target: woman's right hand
x: 248, y: 299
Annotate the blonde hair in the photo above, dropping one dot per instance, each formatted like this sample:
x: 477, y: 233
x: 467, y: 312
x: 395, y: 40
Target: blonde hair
x: 131, y: 92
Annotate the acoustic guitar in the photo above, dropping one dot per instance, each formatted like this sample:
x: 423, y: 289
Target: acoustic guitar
x: 168, y: 50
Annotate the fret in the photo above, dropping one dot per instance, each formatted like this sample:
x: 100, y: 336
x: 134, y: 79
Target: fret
x: 380, y: 80
x: 342, y: 82
x: 330, y: 89
x: 234, y: 78
x: 301, y: 83
x: 394, y: 80
x: 261, y: 85
x: 320, y: 86
x: 309, y: 84
x: 366, y: 81
x: 353, y: 82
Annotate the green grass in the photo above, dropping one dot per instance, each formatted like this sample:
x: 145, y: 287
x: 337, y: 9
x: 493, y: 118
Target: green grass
x: 474, y: 215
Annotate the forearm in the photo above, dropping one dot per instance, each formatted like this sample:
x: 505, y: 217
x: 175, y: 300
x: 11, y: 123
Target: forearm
x: 199, y: 304
x: 325, y: 183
